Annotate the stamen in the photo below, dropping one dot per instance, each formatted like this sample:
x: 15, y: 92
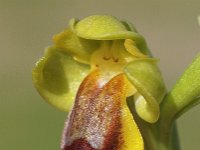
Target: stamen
x: 115, y: 50
x: 106, y: 48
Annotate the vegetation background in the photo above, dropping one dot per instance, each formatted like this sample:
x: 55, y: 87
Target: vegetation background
x: 26, y: 27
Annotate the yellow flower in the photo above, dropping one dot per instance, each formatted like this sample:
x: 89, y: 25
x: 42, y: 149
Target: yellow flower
x: 94, y: 66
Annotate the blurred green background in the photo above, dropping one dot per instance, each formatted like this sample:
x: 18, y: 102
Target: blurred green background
x: 26, y: 27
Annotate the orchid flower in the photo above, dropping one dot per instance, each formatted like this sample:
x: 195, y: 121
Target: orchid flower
x: 101, y: 71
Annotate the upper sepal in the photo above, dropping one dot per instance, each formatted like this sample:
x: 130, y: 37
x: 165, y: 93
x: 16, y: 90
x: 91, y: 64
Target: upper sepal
x: 105, y: 27
x: 57, y: 77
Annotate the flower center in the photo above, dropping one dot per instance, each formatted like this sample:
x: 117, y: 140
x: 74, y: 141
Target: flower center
x: 111, y: 58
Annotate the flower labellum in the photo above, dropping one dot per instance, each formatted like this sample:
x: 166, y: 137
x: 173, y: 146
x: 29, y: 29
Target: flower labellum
x: 100, y: 119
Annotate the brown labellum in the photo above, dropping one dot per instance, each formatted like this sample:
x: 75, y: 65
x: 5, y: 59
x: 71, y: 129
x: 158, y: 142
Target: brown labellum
x: 94, y: 122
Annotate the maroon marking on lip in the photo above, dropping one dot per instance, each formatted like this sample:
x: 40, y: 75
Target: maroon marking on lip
x: 94, y: 123
x: 79, y: 144
x: 114, y: 91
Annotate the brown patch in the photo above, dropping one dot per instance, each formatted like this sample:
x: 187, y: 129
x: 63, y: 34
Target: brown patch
x: 79, y: 144
x: 97, y: 65
x: 114, y: 90
x: 106, y: 58
x: 115, y: 60
x: 94, y: 123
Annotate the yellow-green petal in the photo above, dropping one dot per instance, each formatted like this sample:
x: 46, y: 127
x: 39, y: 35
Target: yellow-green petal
x: 145, y: 76
x: 57, y: 77
x: 78, y: 47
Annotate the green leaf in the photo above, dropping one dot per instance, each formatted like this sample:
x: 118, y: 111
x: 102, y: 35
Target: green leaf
x: 184, y: 94
x: 57, y: 77
x: 145, y: 76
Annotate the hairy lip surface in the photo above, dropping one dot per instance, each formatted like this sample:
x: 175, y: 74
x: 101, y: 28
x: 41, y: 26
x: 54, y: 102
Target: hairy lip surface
x: 94, y: 122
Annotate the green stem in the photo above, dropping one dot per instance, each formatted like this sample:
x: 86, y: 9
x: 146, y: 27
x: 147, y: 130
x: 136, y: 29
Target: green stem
x: 167, y: 136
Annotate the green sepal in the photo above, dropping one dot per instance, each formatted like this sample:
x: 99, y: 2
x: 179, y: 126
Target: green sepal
x: 129, y: 26
x: 105, y: 27
x: 57, y: 77
x: 146, y: 77
x: 184, y: 95
x: 81, y: 49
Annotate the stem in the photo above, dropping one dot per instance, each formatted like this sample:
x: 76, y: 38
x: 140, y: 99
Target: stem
x: 167, y: 136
